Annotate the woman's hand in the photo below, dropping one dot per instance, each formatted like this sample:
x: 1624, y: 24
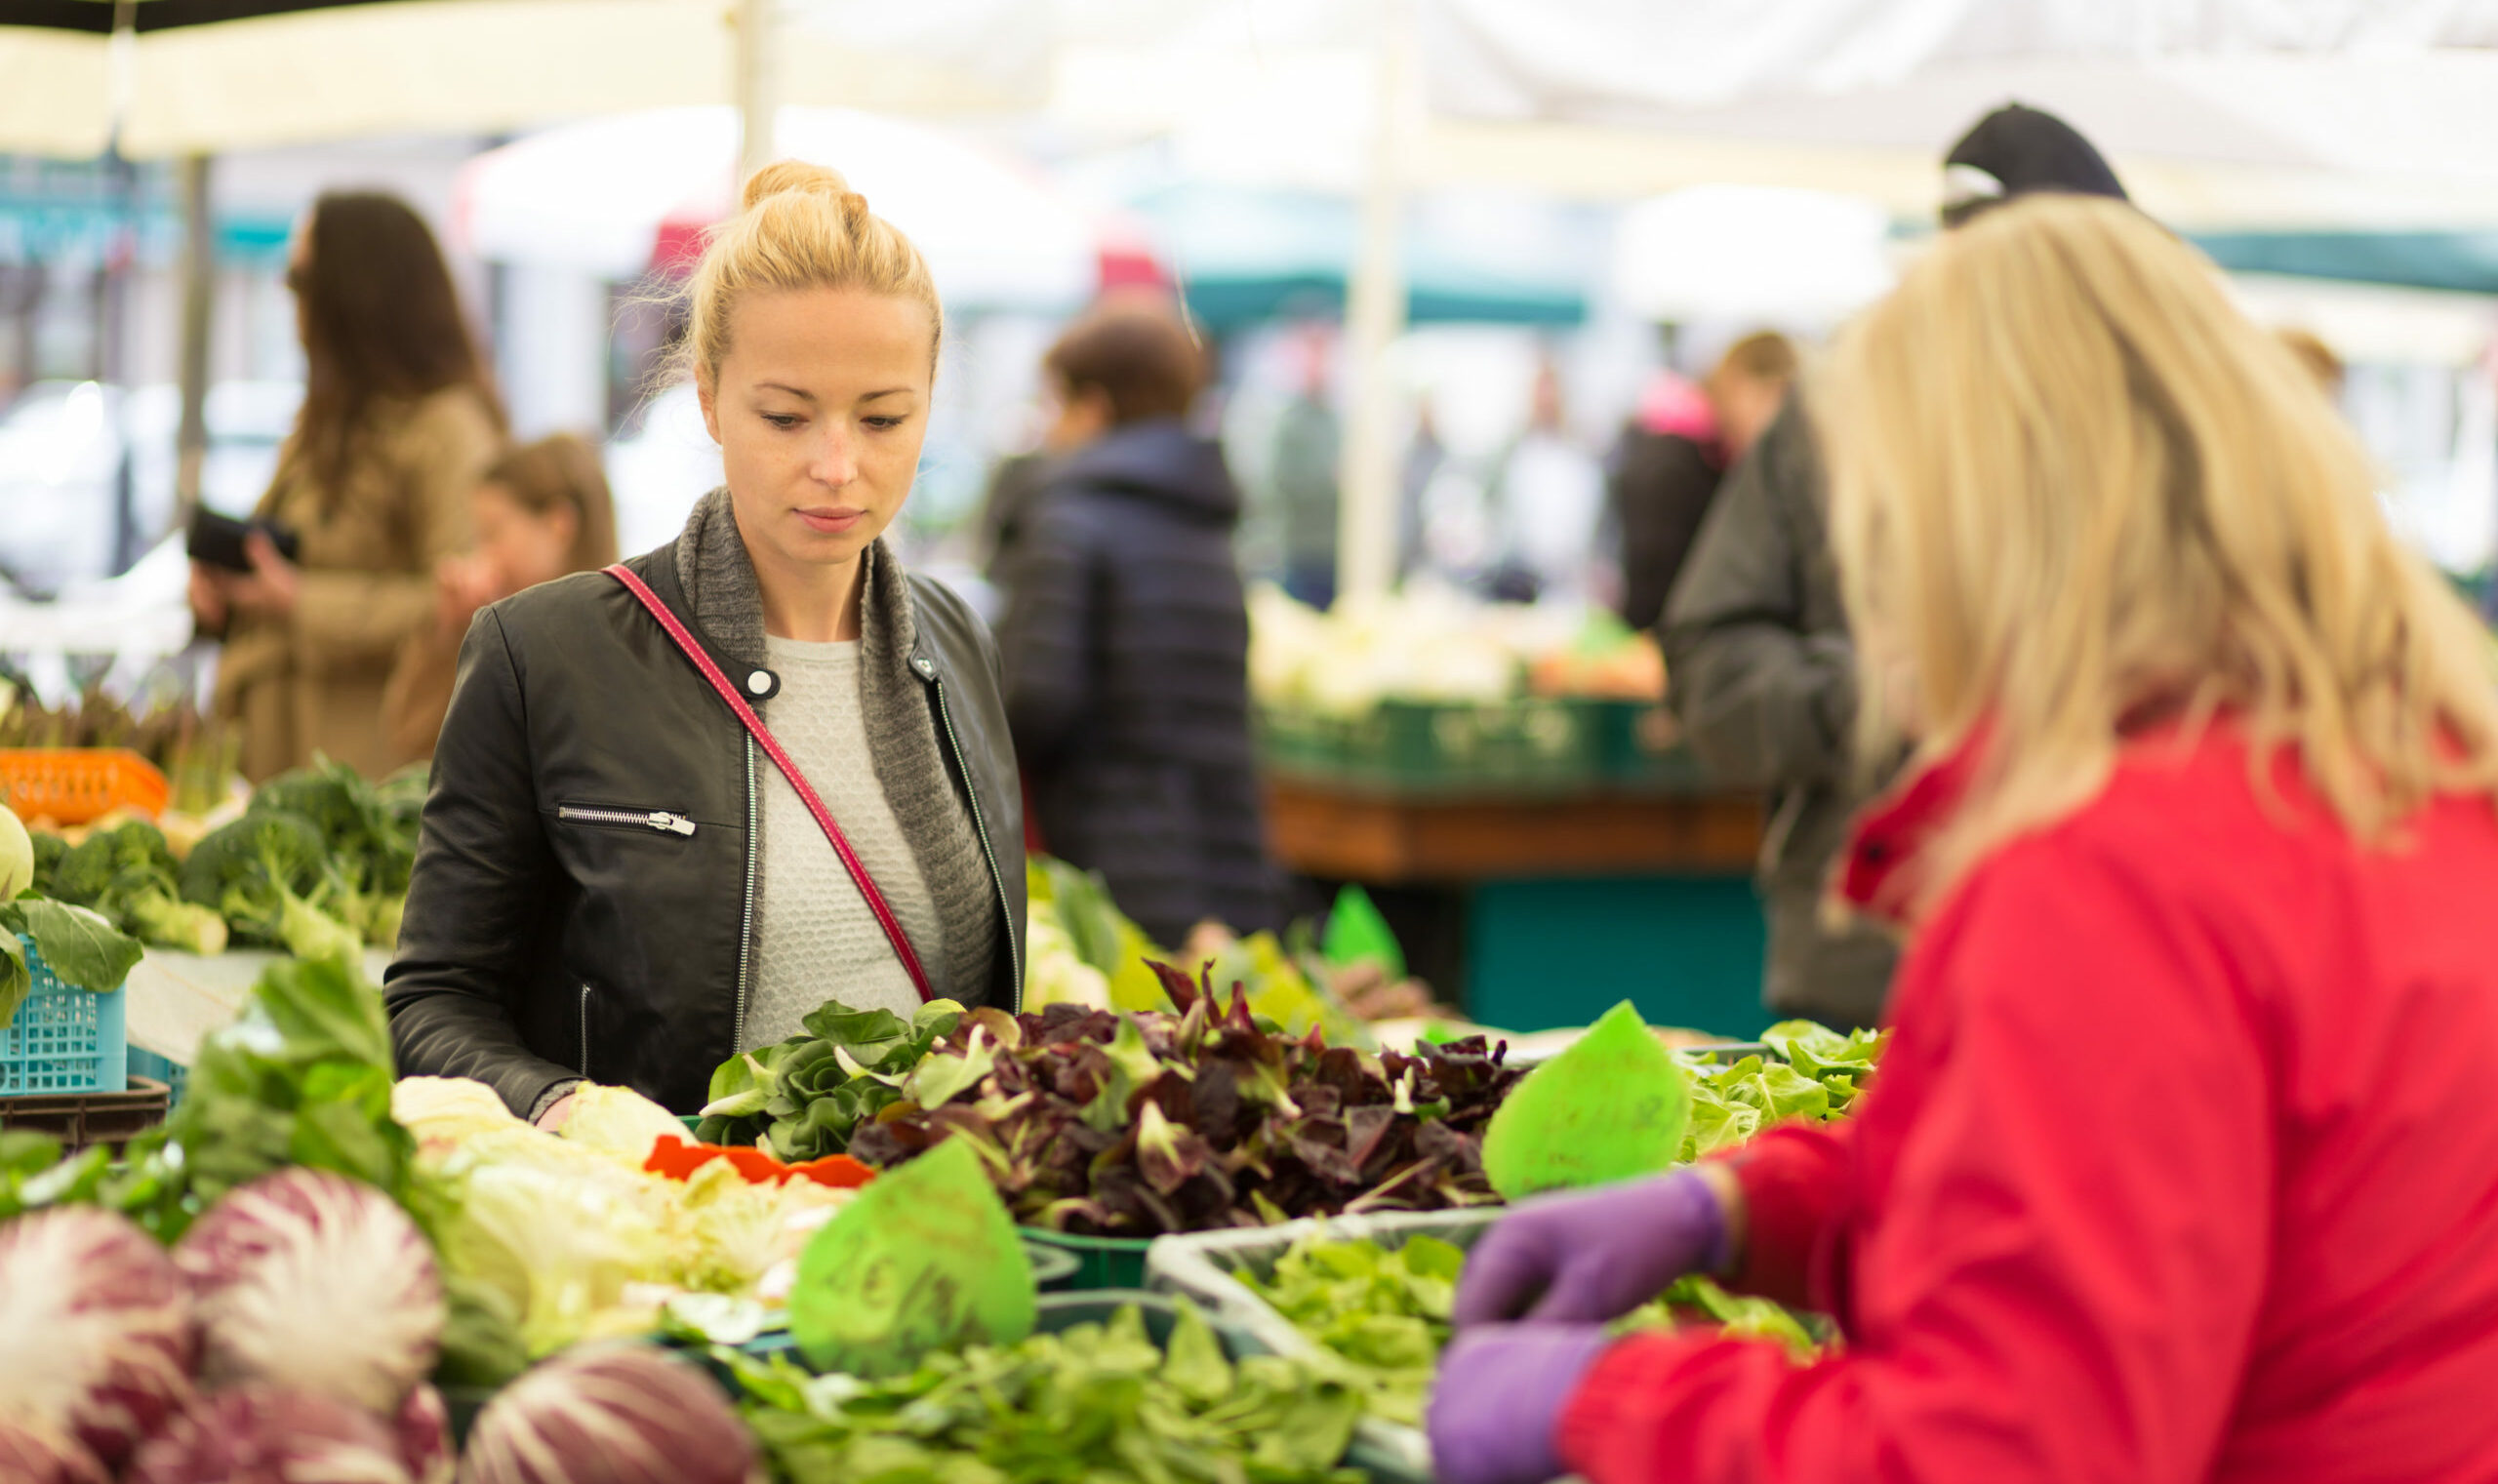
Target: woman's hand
x: 553, y: 1121
x: 271, y: 588
x: 1594, y: 1256
x: 208, y: 600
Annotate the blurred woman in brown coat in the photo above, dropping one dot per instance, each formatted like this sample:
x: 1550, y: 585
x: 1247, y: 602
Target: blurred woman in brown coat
x: 540, y: 512
x: 399, y: 422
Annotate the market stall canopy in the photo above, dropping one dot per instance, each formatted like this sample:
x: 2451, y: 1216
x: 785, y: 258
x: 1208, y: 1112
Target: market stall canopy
x: 2231, y: 112
x: 1751, y: 253
x: 620, y: 196
x: 1242, y: 255
x: 203, y: 76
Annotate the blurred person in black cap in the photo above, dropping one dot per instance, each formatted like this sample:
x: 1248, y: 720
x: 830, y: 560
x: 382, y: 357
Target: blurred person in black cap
x: 1764, y: 672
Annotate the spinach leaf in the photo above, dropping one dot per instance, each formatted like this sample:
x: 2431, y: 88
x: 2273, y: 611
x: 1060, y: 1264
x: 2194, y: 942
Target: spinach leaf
x: 1093, y: 1402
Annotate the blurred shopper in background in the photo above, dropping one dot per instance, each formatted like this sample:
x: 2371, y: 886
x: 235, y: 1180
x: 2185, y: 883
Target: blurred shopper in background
x: 398, y: 421
x: 1761, y: 667
x: 1309, y: 440
x: 542, y: 512
x: 1126, y: 637
x: 1666, y: 468
x: 2317, y: 357
x: 2205, y: 798
x: 1548, y: 503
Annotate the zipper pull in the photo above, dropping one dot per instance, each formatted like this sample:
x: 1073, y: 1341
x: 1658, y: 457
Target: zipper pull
x: 673, y: 823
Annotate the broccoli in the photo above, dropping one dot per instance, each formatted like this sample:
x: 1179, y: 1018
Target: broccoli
x: 126, y: 875
x: 49, y: 848
x: 266, y: 873
x: 369, y: 836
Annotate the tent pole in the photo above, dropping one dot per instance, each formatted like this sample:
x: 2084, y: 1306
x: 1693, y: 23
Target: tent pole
x: 199, y: 306
x: 753, y: 22
x: 1374, y: 320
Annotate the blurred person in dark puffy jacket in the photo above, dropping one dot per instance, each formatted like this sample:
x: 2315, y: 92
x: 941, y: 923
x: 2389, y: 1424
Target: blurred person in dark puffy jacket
x: 1672, y: 457
x: 1126, y: 637
x: 1760, y: 667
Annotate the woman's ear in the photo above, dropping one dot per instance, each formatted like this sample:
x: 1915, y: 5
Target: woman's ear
x: 564, y: 523
x: 707, y: 392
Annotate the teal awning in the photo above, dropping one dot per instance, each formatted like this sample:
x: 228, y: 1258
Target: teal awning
x: 2462, y: 262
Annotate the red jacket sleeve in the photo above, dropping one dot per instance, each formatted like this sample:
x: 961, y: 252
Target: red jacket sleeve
x: 1792, y: 1177
x: 2069, y: 1181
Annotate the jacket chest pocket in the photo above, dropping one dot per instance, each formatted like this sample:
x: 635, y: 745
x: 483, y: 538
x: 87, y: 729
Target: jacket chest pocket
x: 661, y: 821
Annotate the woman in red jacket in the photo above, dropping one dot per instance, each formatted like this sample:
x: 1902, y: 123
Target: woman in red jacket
x: 2183, y: 1162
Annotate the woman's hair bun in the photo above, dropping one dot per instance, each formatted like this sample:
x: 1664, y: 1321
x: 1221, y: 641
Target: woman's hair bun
x: 801, y: 177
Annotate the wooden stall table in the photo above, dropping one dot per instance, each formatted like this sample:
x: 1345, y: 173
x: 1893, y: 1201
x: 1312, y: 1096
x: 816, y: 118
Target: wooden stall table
x: 1571, y: 902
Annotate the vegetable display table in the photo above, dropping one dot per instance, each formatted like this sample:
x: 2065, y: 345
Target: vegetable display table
x: 1570, y: 902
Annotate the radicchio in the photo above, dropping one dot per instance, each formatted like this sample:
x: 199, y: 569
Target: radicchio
x: 424, y: 1426
x: 96, y: 1339
x: 266, y: 1436
x: 312, y: 1281
x: 34, y: 1455
x: 615, y: 1414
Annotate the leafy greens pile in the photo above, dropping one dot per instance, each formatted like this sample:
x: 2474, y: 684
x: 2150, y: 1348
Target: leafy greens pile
x: 1820, y: 1078
x: 1095, y: 1402
x: 1082, y: 951
x: 1135, y: 1125
x: 802, y: 1099
x: 1380, y: 1314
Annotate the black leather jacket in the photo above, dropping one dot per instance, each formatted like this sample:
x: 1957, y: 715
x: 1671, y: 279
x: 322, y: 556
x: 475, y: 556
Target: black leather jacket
x: 583, y: 901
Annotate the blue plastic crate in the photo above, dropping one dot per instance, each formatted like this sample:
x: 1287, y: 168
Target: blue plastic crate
x: 174, y: 1074
x: 63, y: 1040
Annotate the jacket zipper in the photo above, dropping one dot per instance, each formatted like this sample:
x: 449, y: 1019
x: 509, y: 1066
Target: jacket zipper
x: 745, y: 934
x: 584, y: 1067
x: 980, y: 826
x: 653, y: 819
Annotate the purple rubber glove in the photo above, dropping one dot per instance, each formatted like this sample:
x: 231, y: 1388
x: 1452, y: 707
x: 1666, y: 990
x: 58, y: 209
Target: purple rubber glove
x: 1498, y: 1401
x: 1592, y: 1256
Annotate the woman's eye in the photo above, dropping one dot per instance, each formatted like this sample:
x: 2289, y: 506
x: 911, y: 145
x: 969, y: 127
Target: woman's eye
x: 882, y: 424
x: 781, y: 419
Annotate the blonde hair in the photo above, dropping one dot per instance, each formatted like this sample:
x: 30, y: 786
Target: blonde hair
x: 800, y: 227
x: 2072, y: 486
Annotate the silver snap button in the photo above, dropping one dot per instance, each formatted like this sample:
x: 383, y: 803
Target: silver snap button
x: 759, y: 682
x: 927, y: 666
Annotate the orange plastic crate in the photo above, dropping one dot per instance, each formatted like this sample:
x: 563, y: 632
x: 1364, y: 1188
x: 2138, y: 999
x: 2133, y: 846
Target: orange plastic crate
x: 75, y: 784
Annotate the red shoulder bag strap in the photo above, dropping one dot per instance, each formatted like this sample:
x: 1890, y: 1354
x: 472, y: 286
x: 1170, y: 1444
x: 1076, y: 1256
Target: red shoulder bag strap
x: 781, y: 759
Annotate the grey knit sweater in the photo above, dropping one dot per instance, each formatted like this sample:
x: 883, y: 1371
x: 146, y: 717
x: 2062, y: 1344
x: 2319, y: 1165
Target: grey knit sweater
x: 910, y: 762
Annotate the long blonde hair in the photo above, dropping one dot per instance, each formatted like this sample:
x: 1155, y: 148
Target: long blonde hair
x: 800, y: 227
x: 2071, y: 483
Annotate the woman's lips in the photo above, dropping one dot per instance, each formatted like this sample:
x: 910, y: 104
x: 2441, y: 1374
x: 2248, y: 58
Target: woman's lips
x: 832, y: 520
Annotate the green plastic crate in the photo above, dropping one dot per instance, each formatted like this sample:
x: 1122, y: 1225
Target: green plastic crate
x: 1101, y: 1262
x: 1642, y: 748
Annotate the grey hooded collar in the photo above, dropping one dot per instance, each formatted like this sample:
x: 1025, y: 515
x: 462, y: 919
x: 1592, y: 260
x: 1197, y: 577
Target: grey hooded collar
x: 727, y: 600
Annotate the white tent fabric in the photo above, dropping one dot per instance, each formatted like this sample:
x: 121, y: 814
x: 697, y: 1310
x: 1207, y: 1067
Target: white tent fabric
x: 1590, y: 58
x: 477, y: 66
x: 596, y: 196
x: 1801, y: 259
x: 2343, y: 112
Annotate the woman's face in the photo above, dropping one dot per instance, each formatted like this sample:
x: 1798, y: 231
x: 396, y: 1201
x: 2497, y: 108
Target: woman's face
x: 820, y: 408
x: 525, y: 548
